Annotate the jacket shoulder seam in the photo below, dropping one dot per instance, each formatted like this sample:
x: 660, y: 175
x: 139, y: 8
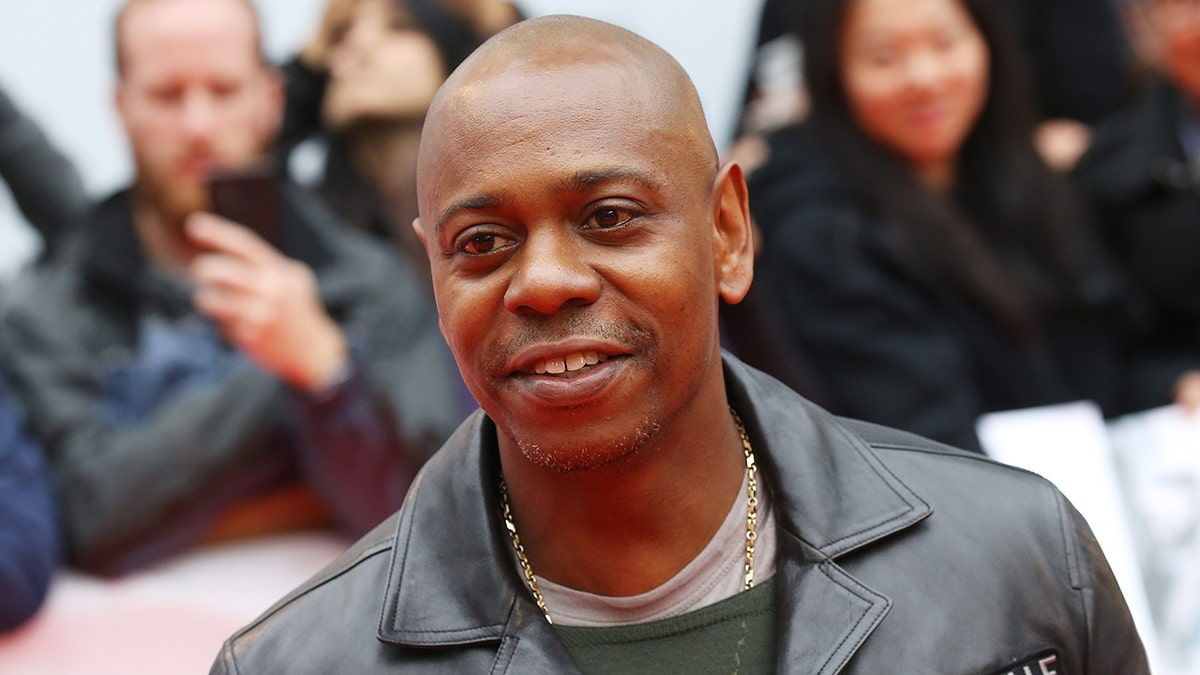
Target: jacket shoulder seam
x: 322, y: 578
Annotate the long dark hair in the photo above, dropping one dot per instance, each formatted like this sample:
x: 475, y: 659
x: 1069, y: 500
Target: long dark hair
x: 352, y: 196
x: 1010, y: 236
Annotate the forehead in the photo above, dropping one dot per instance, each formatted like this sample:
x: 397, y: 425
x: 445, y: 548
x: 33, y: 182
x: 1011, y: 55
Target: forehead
x: 160, y: 36
x: 883, y: 18
x: 586, y: 95
x: 383, y: 10
x: 553, y: 122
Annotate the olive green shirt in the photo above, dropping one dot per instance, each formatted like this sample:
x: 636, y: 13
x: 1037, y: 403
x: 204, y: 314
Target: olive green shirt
x: 736, y: 635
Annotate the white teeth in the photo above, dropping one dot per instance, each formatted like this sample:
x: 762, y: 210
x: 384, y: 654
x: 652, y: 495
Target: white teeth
x: 570, y: 363
x: 575, y: 362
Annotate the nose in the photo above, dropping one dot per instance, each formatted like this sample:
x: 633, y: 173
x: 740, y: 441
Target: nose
x: 356, y: 44
x: 924, y: 69
x: 551, y: 274
x: 198, y: 114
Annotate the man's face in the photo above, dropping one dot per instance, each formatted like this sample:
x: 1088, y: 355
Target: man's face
x: 570, y: 230
x: 194, y: 97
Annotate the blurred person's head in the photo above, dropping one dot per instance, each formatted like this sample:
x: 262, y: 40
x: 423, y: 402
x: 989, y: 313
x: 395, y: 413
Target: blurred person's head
x: 386, y: 60
x: 393, y: 55
x: 926, y: 107
x: 194, y: 94
x: 384, y: 67
x: 915, y: 77
x: 1167, y: 33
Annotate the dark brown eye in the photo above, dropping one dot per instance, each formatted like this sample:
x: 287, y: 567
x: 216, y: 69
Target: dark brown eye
x: 479, y: 244
x: 608, y: 218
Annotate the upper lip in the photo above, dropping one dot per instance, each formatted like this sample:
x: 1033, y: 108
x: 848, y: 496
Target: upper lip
x: 527, y: 359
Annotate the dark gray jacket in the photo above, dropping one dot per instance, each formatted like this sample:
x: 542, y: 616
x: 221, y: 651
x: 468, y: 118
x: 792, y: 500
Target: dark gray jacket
x: 1147, y: 193
x: 896, y: 555
x: 44, y: 182
x: 154, y: 425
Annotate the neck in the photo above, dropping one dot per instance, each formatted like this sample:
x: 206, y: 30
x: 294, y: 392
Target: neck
x: 627, y: 528
x: 938, y: 176
x: 385, y: 154
x: 163, y: 240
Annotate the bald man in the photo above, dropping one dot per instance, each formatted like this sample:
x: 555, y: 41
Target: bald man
x: 629, y: 498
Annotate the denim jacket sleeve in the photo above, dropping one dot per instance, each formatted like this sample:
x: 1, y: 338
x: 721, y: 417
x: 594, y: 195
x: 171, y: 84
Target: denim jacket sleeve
x: 136, y: 489
x: 28, y: 520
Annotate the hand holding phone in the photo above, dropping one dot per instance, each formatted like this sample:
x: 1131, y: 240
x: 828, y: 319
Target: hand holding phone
x: 265, y: 304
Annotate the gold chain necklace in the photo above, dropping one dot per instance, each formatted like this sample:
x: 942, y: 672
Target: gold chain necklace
x: 751, y: 523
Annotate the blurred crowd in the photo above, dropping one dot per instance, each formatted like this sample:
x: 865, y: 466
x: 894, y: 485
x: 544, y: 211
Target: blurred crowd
x: 963, y: 206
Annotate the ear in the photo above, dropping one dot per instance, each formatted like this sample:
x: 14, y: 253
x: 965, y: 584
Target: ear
x: 121, y: 104
x: 420, y: 230
x: 273, y: 102
x: 733, y: 234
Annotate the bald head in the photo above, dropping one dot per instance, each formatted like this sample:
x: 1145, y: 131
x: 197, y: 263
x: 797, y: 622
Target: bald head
x: 571, y: 202
x: 551, y: 43
x: 554, y: 52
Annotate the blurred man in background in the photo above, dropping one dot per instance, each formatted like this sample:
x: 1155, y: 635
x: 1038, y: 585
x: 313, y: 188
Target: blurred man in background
x: 195, y: 378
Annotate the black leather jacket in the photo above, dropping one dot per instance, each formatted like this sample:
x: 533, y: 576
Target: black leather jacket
x: 896, y: 555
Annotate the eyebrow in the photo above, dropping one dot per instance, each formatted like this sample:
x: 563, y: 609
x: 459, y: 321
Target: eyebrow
x: 473, y: 203
x: 584, y: 180
x: 581, y: 181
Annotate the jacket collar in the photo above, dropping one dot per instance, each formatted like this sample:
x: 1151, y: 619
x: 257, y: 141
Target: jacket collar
x: 112, y: 252
x: 452, y: 582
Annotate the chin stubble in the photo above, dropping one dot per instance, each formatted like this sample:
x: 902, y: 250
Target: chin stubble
x: 568, y: 458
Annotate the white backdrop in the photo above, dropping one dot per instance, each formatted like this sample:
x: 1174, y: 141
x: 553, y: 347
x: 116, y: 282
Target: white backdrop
x: 56, y: 63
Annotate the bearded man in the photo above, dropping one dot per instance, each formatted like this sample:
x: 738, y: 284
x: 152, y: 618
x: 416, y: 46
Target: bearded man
x: 195, y: 378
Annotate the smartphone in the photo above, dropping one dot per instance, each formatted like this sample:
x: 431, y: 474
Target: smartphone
x: 249, y: 197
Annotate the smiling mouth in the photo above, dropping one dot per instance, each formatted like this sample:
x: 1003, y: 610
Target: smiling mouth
x: 569, y: 366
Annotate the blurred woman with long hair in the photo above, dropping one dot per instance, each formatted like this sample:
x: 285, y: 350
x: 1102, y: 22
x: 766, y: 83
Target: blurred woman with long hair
x: 915, y: 246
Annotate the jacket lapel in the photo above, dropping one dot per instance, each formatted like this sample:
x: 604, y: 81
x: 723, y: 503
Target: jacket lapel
x: 824, y: 614
x: 832, y: 496
x: 452, y: 584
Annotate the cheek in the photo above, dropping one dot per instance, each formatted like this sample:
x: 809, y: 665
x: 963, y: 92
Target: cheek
x: 413, y: 61
x: 247, y: 129
x: 466, y: 309
x: 149, y: 127
x: 156, y: 142
x: 680, y: 297
x: 874, y: 103
x: 975, y: 75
